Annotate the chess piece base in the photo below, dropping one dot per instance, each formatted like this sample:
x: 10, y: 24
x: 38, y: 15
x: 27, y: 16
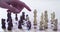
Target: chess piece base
x: 19, y: 27
x: 9, y: 28
x: 41, y: 29
x: 3, y: 27
x: 46, y: 28
x: 35, y: 27
x: 54, y: 29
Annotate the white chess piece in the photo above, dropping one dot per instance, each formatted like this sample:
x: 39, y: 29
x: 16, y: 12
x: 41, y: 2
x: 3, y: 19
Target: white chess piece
x: 35, y: 15
x: 42, y: 22
x: 46, y: 19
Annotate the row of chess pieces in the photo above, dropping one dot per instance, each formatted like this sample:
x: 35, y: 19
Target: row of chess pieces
x: 43, y: 22
x: 23, y: 20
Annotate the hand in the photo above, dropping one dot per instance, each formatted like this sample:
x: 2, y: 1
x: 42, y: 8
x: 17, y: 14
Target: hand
x: 17, y: 6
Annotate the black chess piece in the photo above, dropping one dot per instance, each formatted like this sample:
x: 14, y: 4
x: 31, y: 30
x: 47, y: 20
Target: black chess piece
x: 3, y: 24
x: 21, y: 20
x: 23, y: 15
x: 20, y: 23
x: 28, y: 25
x: 8, y: 15
x: 16, y: 18
x: 10, y: 25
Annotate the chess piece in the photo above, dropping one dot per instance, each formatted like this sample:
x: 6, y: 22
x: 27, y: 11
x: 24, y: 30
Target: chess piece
x: 28, y: 22
x: 8, y: 15
x: 10, y: 25
x: 46, y: 20
x: 53, y: 21
x: 42, y: 22
x: 28, y: 25
x: 20, y: 23
x: 23, y: 15
x: 16, y: 18
x: 55, y: 25
x: 35, y: 15
x: 52, y: 18
x: 3, y: 24
x: 27, y: 18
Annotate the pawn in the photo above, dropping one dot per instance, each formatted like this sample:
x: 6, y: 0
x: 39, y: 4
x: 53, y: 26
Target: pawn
x: 10, y: 25
x: 3, y: 24
x: 27, y: 18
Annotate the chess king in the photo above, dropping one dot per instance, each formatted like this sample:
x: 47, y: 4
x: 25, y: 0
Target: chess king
x: 35, y: 21
x: 35, y: 15
x: 14, y: 6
